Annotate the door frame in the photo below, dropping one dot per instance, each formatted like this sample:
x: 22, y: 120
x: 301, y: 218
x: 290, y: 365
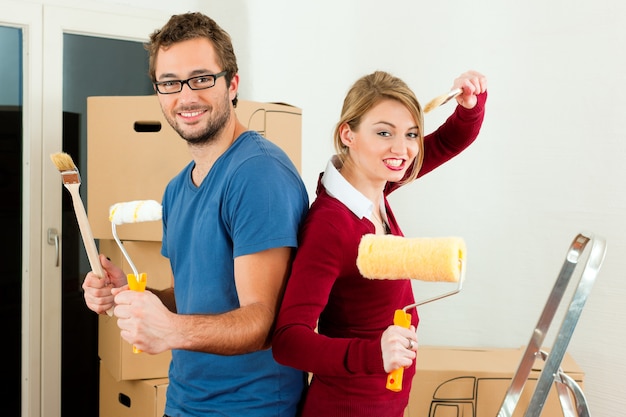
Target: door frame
x: 28, y: 18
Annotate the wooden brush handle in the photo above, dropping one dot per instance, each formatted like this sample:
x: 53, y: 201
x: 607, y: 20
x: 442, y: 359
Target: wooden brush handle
x: 85, y: 230
x: 394, y: 378
x: 86, y: 234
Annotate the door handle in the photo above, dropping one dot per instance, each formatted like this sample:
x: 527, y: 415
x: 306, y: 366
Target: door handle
x: 53, y: 239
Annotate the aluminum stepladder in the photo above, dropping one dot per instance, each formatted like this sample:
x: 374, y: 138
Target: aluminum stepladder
x: 551, y: 372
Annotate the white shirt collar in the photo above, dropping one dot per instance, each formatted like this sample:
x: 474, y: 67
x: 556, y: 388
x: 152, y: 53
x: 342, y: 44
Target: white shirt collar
x: 338, y: 187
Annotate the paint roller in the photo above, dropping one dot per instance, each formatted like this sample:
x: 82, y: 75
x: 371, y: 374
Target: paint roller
x: 133, y: 212
x: 436, y: 259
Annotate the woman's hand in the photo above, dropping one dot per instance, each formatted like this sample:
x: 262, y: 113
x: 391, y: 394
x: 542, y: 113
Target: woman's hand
x: 399, y: 347
x: 472, y: 83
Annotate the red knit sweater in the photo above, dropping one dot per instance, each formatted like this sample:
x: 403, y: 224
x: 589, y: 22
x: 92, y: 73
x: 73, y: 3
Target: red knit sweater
x: 327, y: 291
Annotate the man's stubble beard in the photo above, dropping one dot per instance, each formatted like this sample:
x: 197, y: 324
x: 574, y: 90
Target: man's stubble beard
x: 219, y: 118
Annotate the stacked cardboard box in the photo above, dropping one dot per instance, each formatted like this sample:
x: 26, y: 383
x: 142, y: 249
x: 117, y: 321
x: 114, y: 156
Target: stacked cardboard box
x: 132, y: 154
x: 472, y: 382
x: 116, y: 355
x: 131, y: 398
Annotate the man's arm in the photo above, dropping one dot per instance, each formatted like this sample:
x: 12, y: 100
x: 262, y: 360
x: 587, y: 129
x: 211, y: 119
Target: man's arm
x: 260, y: 280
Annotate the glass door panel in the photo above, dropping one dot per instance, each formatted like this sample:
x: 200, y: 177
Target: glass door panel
x: 92, y: 66
x: 10, y: 212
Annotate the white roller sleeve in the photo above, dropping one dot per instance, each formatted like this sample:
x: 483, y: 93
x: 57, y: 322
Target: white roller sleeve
x: 135, y: 212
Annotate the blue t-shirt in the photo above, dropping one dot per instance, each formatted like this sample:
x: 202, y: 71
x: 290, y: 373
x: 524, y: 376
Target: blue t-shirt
x: 253, y: 199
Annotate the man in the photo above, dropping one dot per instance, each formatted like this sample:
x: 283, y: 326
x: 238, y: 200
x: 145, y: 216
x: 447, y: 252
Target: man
x: 230, y: 223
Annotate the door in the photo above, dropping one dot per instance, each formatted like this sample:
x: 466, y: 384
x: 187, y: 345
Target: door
x: 34, y: 282
x: 10, y: 214
x: 92, y: 66
x: 85, y: 53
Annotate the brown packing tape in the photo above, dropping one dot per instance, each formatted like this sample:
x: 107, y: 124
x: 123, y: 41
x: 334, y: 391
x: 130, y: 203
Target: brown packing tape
x: 397, y: 257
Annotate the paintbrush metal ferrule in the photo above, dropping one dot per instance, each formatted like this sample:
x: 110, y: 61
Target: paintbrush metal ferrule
x: 452, y: 94
x: 70, y: 177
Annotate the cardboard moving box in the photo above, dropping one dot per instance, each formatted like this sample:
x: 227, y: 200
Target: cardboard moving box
x: 116, y: 355
x: 138, y: 398
x: 132, y: 153
x: 472, y: 382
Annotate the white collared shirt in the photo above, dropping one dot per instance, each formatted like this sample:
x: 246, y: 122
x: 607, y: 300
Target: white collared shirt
x: 338, y: 187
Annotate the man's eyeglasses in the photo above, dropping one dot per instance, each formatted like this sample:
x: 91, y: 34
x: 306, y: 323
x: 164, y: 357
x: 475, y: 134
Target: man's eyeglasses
x: 200, y: 82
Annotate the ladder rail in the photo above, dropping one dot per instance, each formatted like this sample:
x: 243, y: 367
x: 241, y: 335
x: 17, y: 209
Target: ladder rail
x: 533, y: 349
x: 587, y: 279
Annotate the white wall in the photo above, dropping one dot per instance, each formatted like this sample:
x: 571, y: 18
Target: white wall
x: 548, y: 164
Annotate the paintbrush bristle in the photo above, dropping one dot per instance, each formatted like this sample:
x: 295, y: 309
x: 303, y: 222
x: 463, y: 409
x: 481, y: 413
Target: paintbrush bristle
x: 441, y: 100
x: 67, y: 168
x: 436, y: 102
x: 63, y: 162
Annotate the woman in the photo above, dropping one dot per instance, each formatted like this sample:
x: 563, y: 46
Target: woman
x: 333, y: 322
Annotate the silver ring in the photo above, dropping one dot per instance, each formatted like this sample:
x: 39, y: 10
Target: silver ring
x: 410, y: 344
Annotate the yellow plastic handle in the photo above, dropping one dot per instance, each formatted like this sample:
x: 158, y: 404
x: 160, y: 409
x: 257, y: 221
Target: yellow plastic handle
x: 394, y: 378
x: 137, y: 285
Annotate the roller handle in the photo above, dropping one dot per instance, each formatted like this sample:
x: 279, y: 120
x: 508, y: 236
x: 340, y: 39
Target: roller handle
x: 137, y: 284
x: 394, y: 378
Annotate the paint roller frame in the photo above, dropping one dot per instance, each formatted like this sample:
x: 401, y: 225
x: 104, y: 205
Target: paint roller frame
x: 136, y: 281
x: 402, y: 318
x: 448, y: 294
x: 112, y: 212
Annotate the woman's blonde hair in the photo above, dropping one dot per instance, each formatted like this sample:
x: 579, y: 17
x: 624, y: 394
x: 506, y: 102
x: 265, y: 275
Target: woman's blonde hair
x: 367, y: 92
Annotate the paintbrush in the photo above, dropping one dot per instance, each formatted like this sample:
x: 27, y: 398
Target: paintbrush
x: 71, y: 181
x: 442, y: 99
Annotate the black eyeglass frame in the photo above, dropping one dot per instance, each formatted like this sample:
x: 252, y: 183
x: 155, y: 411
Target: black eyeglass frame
x: 183, y: 82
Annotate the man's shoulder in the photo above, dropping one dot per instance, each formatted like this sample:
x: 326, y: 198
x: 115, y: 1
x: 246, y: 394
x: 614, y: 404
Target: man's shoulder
x: 255, y: 152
